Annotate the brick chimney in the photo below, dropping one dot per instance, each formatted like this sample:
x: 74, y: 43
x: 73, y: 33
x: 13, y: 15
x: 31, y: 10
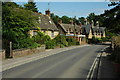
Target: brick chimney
x: 47, y: 12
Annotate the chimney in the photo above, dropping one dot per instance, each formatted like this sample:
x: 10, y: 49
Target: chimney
x: 60, y: 21
x: 47, y: 12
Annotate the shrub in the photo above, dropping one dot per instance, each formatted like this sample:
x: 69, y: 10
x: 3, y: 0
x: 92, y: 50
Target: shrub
x: 50, y: 44
x: 71, y: 41
x: 95, y: 40
x: 41, y: 38
x: 61, y: 40
x: 62, y: 46
x: 25, y: 43
x: 77, y: 43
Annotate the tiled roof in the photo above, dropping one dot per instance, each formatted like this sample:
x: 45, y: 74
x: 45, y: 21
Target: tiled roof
x: 99, y: 29
x: 70, y: 26
x: 86, y: 29
x: 45, y: 22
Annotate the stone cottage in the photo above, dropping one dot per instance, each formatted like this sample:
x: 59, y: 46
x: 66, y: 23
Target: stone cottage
x: 46, y: 25
x: 71, y: 30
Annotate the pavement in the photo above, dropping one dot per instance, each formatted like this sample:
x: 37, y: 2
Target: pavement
x: 107, y: 68
x: 72, y: 63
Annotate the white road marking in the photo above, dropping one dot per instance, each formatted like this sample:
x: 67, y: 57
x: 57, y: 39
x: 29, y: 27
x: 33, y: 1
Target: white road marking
x: 93, y: 67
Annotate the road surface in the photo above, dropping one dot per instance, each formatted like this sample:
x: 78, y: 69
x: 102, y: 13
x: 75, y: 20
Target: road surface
x: 74, y: 63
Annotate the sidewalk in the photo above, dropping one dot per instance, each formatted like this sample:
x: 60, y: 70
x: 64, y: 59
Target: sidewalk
x: 10, y: 63
x: 107, y: 69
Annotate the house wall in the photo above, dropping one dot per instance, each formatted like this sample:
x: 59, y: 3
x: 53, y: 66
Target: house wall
x: 104, y: 34
x: 90, y: 34
x: 46, y: 32
x: 55, y: 33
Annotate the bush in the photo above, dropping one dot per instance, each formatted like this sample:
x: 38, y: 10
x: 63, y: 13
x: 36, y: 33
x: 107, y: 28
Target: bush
x: 77, y: 43
x: 95, y: 40
x: 41, y: 38
x: 72, y: 41
x: 50, y: 44
x: 60, y: 40
x: 62, y: 46
x: 25, y: 43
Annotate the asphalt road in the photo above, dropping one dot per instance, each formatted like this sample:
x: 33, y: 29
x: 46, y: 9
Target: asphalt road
x: 74, y: 63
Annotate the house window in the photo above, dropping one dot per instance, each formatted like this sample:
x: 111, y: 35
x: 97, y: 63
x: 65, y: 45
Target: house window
x: 52, y: 34
x: 34, y: 33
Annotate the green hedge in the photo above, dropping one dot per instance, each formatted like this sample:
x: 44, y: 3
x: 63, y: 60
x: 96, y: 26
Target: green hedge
x: 61, y: 41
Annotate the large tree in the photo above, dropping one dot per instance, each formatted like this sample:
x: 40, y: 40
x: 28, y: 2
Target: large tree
x: 16, y: 23
x: 112, y: 18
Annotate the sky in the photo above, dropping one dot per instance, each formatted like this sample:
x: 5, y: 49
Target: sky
x: 71, y: 9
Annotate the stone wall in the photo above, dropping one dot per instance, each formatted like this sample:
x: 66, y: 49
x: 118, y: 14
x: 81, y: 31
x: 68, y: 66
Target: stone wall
x: 2, y: 54
x: 24, y: 52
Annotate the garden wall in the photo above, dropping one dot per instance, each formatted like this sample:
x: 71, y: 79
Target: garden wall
x: 2, y: 54
x: 24, y: 52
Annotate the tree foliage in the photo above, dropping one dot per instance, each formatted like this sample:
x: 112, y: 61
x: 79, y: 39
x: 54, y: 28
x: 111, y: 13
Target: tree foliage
x: 16, y: 23
x: 111, y: 18
x: 66, y: 19
x: 31, y: 5
x: 55, y: 18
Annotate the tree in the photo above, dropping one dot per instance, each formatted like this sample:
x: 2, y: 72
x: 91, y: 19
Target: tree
x: 93, y: 17
x: 66, y: 19
x: 16, y: 23
x: 82, y: 20
x: 55, y: 18
x: 31, y: 5
x: 112, y: 18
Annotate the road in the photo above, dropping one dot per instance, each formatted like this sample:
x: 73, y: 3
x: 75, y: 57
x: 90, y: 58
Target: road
x: 74, y: 63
